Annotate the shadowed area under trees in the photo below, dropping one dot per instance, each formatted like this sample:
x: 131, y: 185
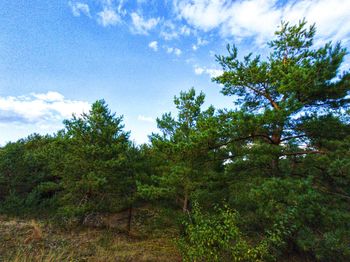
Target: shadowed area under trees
x: 266, y: 181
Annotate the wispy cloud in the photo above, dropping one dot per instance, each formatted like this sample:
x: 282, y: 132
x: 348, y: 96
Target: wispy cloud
x: 200, y: 42
x: 168, y: 31
x: 140, y: 25
x: 185, y: 30
x: 39, y: 108
x: 224, y: 20
x: 255, y: 19
x: 153, y: 45
x: 108, y: 17
x: 212, y: 72
x: 79, y: 8
x: 146, y: 119
x: 202, y: 14
x: 242, y: 19
x: 173, y: 50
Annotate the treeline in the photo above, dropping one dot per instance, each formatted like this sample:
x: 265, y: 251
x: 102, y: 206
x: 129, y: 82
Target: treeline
x: 267, y: 180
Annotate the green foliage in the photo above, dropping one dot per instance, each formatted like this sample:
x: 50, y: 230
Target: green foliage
x: 302, y: 214
x: 288, y: 138
x: 24, y: 167
x: 278, y: 96
x: 12, y: 204
x: 217, y: 237
x: 181, y: 154
x: 96, y: 175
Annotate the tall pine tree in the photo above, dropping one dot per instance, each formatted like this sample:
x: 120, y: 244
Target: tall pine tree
x: 96, y: 176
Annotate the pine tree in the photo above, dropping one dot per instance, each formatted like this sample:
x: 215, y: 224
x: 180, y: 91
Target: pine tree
x: 184, y: 163
x: 277, y: 96
x: 288, y: 144
x: 96, y: 176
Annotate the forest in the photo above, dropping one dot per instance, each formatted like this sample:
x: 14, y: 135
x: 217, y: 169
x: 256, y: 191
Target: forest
x: 265, y: 180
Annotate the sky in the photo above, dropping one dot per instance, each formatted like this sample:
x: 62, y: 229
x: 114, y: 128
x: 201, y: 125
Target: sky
x: 57, y: 57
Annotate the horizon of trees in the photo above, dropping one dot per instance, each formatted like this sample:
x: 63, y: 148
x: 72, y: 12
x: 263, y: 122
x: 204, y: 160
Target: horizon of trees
x: 265, y: 181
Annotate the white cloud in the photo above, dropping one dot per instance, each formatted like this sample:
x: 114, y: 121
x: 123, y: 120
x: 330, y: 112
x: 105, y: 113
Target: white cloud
x: 39, y: 108
x: 202, y: 14
x: 212, y: 72
x: 199, y: 70
x: 331, y: 17
x: 177, y: 51
x: 50, y: 96
x: 185, y: 30
x: 173, y: 50
x: 153, y: 45
x: 260, y: 18
x: 169, y: 35
x: 142, y: 25
x: 231, y: 18
x: 121, y: 9
x: 146, y: 119
x: 79, y: 8
x: 200, y: 42
x: 169, y: 50
x: 108, y: 17
x: 257, y: 19
x: 168, y: 31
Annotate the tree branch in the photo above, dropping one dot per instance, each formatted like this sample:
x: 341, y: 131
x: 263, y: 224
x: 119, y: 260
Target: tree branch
x: 333, y: 193
x: 303, y: 153
x: 291, y: 137
x: 241, y: 139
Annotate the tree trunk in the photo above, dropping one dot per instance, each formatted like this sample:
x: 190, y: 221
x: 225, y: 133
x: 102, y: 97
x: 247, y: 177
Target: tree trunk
x: 276, y: 140
x: 129, y: 219
x: 275, y: 166
x: 185, y: 203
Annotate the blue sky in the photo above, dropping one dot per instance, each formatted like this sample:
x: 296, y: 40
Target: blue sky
x: 58, y: 57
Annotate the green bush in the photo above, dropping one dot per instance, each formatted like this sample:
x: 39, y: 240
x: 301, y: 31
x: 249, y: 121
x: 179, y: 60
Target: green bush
x: 216, y: 237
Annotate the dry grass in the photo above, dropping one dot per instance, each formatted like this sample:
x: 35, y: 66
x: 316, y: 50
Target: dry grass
x: 24, y: 241
x: 36, y: 233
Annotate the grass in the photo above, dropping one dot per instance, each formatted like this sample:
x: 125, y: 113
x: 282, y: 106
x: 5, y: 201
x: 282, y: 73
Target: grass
x: 26, y: 241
